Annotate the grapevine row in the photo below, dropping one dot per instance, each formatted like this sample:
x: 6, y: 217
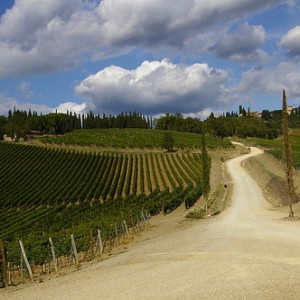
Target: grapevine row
x: 38, y: 177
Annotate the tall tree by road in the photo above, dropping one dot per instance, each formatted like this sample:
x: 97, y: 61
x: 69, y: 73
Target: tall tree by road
x: 205, y: 167
x: 287, y: 154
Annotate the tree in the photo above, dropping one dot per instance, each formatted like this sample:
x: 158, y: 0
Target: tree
x: 3, y: 122
x: 168, y: 141
x: 240, y: 109
x: 266, y: 115
x: 287, y: 154
x: 205, y: 167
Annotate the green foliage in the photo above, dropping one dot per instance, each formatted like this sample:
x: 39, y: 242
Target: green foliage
x: 242, y: 124
x: 198, y: 213
x: 36, y: 225
x: 274, y: 147
x: 121, y: 121
x: 287, y: 155
x: 56, y: 193
x: 241, y: 127
x: 177, y: 122
x: 132, y: 138
x: 3, y: 121
x: 192, y: 196
x: 21, y: 123
x: 43, y: 176
x: 168, y: 141
x: 206, y: 166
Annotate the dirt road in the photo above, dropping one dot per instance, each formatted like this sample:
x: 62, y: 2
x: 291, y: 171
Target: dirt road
x: 247, y: 252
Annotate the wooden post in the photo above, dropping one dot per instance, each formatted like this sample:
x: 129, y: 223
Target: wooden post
x: 4, y: 264
x: 22, y: 269
x: 74, y: 250
x: 126, y: 228
x: 99, y: 243
x: 117, y: 234
x: 143, y: 218
x: 9, y: 273
x: 25, y: 259
x: 54, y: 259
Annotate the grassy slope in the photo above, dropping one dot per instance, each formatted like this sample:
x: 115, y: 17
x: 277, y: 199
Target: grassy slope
x: 274, y: 147
x: 131, y: 138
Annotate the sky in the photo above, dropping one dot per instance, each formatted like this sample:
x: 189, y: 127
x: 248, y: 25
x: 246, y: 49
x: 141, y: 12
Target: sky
x: 111, y: 56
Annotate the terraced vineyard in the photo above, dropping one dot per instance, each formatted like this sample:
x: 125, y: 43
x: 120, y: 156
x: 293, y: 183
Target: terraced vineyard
x: 52, y: 192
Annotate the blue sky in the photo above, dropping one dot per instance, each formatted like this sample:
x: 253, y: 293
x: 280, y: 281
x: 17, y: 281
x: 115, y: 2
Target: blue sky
x: 192, y: 56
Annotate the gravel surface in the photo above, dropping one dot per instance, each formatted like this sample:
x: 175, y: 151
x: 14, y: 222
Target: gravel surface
x: 249, y: 251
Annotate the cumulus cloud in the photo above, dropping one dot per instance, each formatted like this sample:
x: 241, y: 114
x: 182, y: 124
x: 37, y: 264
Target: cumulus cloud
x: 242, y: 45
x: 39, y: 36
x: 273, y: 80
x: 151, y: 24
x: 154, y: 87
x: 291, y: 41
x: 72, y: 107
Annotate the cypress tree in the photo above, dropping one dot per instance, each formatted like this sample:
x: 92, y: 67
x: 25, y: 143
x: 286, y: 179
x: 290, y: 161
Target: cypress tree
x: 287, y: 155
x: 205, y: 166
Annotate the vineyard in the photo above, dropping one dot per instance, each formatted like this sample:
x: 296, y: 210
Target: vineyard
x: 132, y: 138
x: 39, y: 177
x: 54, y: 193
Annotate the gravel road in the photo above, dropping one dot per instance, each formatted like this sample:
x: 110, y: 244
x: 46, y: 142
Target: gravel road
x: 247, y: 252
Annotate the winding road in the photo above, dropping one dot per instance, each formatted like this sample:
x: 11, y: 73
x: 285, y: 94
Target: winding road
x: 247, y: 252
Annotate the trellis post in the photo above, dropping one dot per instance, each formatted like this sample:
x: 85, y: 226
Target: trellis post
x: 4, y: 264
x: 54, y: 259
x: 25, y: 259
x: 74, y: 250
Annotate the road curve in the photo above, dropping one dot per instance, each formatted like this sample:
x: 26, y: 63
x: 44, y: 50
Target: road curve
x: 247, y: 252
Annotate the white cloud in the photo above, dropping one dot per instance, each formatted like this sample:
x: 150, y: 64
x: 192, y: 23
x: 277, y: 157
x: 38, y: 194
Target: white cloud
x: 291, y: 41
x: 151, y: 23
x: 242, y: 45
x: 24, y: 88
x: 7, y: 103
x: 40, y: 36
x: 72, y: 107
x: 272, y: 81
x: 154, y: 87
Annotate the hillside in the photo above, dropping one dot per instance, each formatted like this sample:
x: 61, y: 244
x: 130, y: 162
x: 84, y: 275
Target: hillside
x: 249, y: 251
x: 132, y: 138
x: 58, y: 190
x: 274, y: 147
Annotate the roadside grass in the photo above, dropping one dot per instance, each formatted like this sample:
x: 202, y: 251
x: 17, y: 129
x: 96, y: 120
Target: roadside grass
x: 274, y: 147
